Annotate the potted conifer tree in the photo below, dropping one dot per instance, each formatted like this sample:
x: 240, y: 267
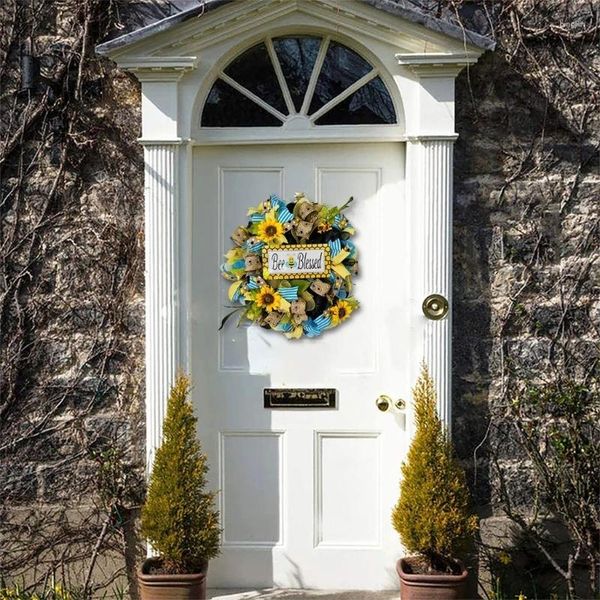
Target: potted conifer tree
x: 179, y: 517
x: 432, y: 515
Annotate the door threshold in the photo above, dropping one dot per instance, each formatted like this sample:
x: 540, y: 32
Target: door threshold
x: 296, y: 594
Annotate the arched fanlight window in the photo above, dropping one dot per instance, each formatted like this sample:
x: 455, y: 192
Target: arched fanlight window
x: 278, y: 79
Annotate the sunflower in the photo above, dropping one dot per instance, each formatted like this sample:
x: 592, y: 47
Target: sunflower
x: 340, y: 312
x: 268, y: 298
x: 271, y: 231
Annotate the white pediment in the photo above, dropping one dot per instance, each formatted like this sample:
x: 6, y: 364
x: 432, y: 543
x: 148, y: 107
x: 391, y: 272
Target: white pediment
x: 190, y: 37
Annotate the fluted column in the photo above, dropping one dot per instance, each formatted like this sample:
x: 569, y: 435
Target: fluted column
x: 162, y: 284
x: 432, y: 194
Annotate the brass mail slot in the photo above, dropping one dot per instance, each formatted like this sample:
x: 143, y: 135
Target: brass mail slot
x: 299, y: 397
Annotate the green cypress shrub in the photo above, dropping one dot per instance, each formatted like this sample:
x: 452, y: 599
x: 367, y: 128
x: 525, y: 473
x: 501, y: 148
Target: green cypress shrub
x: 432, y: 514
x: 179, y: 517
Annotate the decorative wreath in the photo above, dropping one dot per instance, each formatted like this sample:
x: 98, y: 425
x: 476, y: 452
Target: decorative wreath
x: 292, y: 267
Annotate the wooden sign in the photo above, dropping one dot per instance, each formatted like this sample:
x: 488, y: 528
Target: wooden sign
x: 296, y: 261
x: 299, y: 397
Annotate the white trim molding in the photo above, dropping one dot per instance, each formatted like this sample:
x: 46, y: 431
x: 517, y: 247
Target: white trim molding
x: 162, y: 285
x: 431, y: 164
x: 434, y: 63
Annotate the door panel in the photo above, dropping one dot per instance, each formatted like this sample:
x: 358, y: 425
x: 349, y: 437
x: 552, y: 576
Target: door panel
x: 305, y: 494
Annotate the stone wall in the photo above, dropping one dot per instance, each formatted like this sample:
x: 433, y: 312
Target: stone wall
x: 526, y: 284
x: 71, y: 299
x: 526, y: 246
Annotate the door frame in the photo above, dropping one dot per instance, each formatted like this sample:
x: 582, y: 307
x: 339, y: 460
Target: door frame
x: 175, y: 65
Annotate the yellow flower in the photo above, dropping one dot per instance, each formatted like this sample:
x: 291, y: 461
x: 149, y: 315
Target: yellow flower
x: 268, y: 298
x: 340, y: 312
x: 270, y: 231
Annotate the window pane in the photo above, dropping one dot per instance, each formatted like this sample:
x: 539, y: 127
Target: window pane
x: 226, y: 107
x: 341, y: 68
x: 253, y: 69
x: 297, y: 56
x: 370, y: 104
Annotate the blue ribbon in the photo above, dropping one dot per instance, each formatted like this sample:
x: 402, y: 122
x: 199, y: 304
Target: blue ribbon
x: 336, y: 247
x: 239, y: 296
x: 257, y: 217
x: 254, y: 247
x: 285, y: 327
x: 315, y: 327
x: 323, y: 321
x: 284, y: 215
x: 252, y: 284
x: 290, y: 293
x: 337, y: 221
x: 276, y: 201
x: 350, y: 247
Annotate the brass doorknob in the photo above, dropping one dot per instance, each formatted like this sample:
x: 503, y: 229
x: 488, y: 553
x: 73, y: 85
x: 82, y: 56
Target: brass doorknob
x: 384, y: 403
x: 435, y: 307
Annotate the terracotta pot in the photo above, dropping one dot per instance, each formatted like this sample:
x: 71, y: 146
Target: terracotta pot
x: 415, y: 586
x: 171, y: 587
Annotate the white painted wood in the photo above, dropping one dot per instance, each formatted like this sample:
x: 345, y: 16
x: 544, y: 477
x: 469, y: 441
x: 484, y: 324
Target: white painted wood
x: 347, y: 92
x: 162, y: 284
x: 436, y: 59
x: 294, y: 132
x: 246, y: 92
x: 280, y: 77
x: 319, y: 514
x: 430, y: 164
x: 315, y: 75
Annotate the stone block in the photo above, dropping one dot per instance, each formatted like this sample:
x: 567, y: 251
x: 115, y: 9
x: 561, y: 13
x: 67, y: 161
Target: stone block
x: 18, y: 483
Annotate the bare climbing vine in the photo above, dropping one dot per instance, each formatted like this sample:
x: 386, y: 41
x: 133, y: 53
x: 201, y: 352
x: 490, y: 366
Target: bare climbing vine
x: 71, y: 322
x: 536, y: 109
x: 71, y: 314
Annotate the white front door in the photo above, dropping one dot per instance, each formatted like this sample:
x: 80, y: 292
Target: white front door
x: 305, y: 494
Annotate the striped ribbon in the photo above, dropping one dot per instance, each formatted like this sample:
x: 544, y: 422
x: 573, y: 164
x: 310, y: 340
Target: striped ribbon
x: 290, y: 293
x: 323, y: 321
x: 337, y: 220
x: 257, y: 217
x: 252, y: 284
x: 284, y: 215
x: 315, y: 327
x: 285, y: 327
x: 336, y: 247
x: 350, y: 247
x: 253, y: 247
x: 276, y: 200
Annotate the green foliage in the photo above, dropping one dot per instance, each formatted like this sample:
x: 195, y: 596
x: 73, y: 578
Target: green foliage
x: 432, y: 514
x: 557, y: 425
x: 56, y: 591
x: 51, y: 591
x: 179, y: 518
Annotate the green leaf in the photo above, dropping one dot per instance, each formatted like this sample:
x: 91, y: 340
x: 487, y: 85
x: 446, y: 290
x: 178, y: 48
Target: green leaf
x: 227, y: 317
